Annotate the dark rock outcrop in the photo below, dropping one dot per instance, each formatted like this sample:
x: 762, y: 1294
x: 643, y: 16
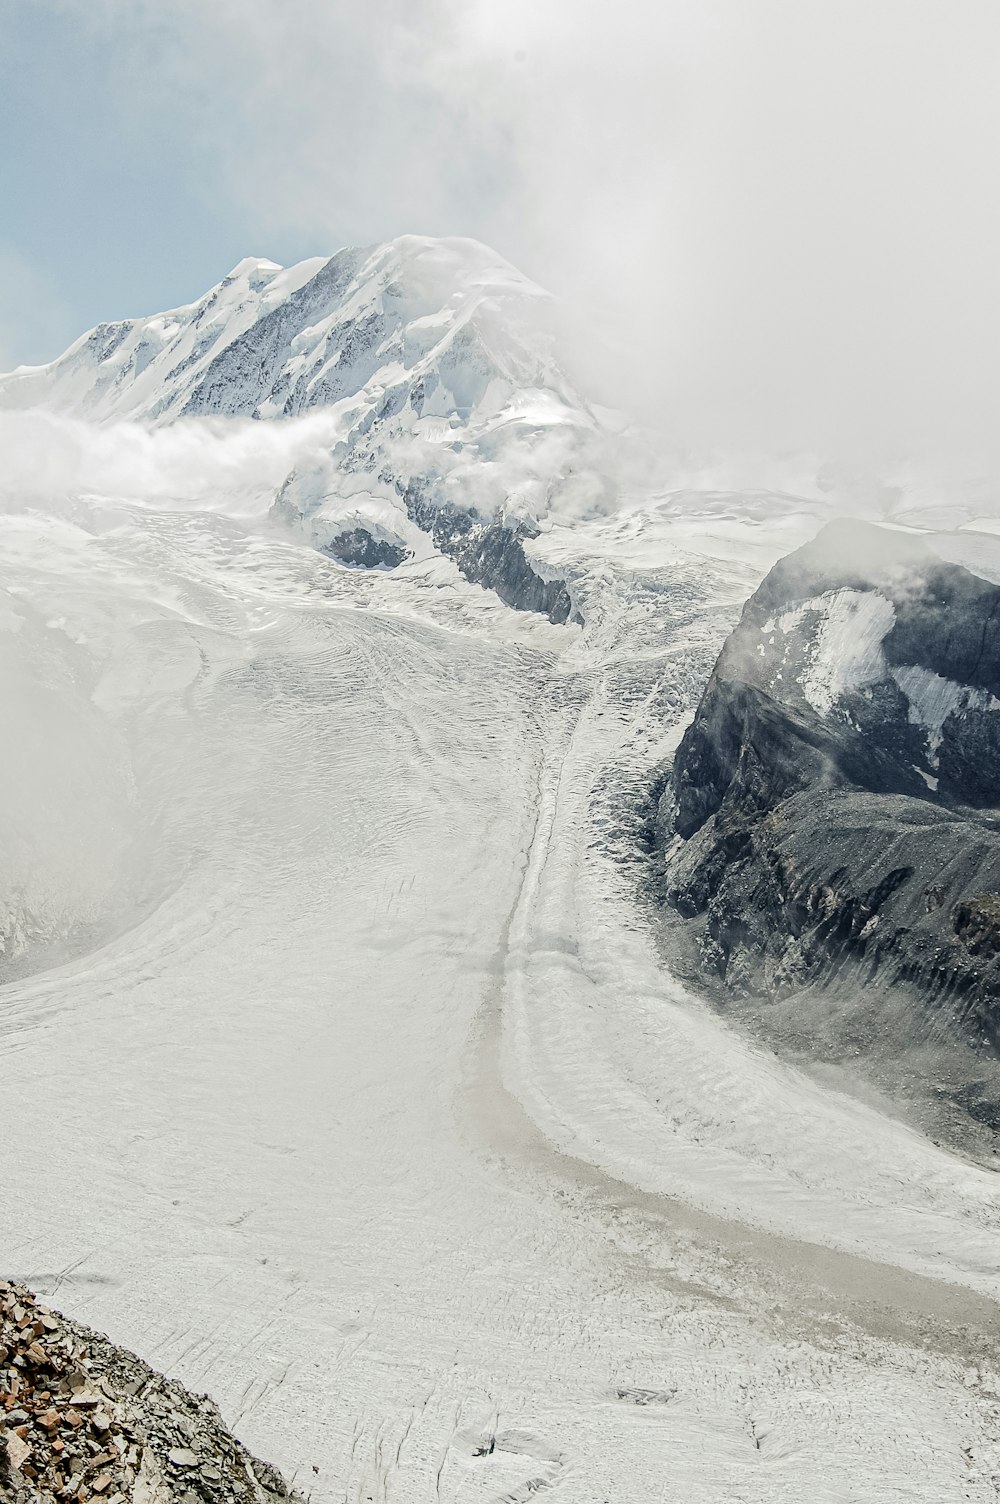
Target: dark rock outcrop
x: 489, y: 551
x: 361, y: 550
x: 837, y: 800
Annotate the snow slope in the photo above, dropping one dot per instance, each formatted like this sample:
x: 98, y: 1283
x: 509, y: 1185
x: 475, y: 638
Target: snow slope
x: 342, y: 1078
x: 433, y: 363
x: 438, y: 322
x: 362, y: 1101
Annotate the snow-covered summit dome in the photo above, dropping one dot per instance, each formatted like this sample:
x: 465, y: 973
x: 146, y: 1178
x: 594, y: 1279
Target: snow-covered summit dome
x: 447, y: 324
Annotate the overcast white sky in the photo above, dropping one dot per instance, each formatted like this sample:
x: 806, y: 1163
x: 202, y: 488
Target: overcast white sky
x: 785, y: 212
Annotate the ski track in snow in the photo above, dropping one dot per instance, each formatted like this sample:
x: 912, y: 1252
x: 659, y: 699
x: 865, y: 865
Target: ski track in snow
x: 373, y: 1113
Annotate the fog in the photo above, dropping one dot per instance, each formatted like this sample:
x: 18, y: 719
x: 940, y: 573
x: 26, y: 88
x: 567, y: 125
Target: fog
x: 773, y: 222
x: 233, y: 466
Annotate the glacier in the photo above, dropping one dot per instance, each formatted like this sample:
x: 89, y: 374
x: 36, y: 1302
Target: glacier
x: 343, y: 1076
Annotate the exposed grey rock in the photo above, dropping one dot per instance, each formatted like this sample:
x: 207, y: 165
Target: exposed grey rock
x: 489, y: 551
x: 254, y: 368
x: 837, y: 796
x: 360, y: 549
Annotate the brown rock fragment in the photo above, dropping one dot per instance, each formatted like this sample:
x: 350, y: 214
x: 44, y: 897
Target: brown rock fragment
x: 18, y: 1452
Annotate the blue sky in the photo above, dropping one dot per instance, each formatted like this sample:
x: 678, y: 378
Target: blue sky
x: 111, y: 205
x: 146, y: 147
x: 782, y: 214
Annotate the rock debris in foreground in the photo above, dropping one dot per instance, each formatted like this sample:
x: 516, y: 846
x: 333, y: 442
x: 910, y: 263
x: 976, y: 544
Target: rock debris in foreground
x: 81, y: 1420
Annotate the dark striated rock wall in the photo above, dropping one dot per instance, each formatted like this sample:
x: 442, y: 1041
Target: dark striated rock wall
x: 489, y: 551
x: 831, y: 827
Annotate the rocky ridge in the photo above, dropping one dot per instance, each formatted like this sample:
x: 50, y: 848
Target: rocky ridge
x: 84, y: 1420
x: 830, y: 830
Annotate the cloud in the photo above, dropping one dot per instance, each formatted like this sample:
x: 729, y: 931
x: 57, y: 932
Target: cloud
x: 777, y: 217
x: 232, y: 466
x: 781, y: 207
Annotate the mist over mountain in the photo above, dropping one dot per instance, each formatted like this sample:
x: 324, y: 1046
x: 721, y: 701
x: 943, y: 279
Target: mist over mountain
x: 434, y: 366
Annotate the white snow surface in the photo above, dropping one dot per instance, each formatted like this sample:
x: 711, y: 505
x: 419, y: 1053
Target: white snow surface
x: 848, y: 629
x: 353, y: 1091
x: 933, y: 698
x: 269, y: 339
x: 342, y: 1076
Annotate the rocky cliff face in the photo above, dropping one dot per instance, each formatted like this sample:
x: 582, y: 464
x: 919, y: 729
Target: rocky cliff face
x: 832, y: 823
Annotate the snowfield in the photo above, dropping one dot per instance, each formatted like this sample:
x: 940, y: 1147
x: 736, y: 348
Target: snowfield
x: 355, y: 1095
x: 342, y: 1077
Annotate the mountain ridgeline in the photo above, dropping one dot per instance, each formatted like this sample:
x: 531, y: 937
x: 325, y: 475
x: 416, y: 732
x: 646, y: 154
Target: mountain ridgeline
x: 448, y: 424
x: 831, y: 828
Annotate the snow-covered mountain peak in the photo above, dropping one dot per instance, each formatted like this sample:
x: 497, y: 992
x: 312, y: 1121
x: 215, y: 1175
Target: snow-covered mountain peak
x: 251, y: 264
x: 432, y: 361
x: 271, y: 341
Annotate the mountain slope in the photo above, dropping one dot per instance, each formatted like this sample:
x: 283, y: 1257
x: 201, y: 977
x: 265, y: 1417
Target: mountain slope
x: 442, y: 319
x: 837, y: 799
x: 449, y: 423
